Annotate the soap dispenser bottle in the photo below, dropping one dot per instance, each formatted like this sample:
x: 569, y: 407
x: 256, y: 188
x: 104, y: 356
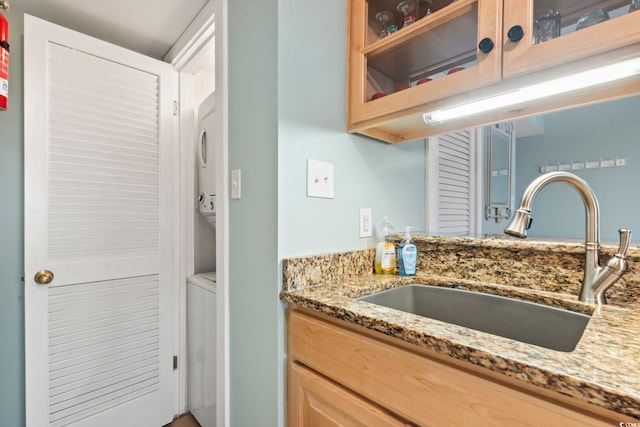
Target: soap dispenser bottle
x: 385, y: 262
x: 407, y: 255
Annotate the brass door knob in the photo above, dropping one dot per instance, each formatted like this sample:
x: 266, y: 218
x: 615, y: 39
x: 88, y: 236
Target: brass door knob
x: 43, y: 277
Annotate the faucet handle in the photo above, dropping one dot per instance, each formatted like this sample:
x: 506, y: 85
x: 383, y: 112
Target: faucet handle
x: 625, y: 238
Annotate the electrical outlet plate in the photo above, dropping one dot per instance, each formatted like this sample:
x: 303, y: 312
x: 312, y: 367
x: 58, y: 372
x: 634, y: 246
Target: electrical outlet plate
x: 366, y: 228
x: 319, y: 179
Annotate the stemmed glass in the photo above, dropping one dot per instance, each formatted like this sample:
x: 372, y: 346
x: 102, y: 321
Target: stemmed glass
x: 385, y: 18
x: 406, y: 7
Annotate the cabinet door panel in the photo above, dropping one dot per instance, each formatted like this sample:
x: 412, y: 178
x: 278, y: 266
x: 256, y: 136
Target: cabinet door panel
x: 538, y: 49
x: 433, y: 58
x: 316, y: 401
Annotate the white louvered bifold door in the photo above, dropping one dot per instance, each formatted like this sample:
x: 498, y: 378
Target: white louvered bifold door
x: 452, y: 183
x: 101, y: 215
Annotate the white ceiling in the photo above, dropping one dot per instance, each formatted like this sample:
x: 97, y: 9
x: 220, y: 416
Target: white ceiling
x: 147, y: 26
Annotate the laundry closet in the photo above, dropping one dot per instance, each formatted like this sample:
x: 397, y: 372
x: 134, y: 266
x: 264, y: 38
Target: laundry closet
x: 201, y: 206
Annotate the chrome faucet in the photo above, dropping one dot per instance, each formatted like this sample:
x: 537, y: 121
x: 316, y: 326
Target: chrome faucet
x: 596, y: 279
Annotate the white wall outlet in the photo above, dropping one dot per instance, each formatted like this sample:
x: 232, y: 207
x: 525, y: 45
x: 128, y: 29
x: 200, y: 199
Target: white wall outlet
x: 366, y: 227
x: 319, y: 179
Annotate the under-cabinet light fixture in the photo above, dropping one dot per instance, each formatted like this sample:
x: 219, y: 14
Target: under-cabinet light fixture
x: 581, y: 80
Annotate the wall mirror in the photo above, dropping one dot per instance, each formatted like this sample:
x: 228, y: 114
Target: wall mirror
x: 499, y: 138
x: 599, y: 143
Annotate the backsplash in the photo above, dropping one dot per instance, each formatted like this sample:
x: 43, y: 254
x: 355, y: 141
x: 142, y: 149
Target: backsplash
x: 299, y: 273
x: 539, y: 265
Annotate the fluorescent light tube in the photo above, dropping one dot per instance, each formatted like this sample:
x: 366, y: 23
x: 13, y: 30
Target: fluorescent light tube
x: 581, y: 80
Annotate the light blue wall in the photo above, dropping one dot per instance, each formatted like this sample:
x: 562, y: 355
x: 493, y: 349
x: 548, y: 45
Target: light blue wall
x: 253, y: 274
x: 389, y: 179
x: 11, y: 236
x: 594, y: 132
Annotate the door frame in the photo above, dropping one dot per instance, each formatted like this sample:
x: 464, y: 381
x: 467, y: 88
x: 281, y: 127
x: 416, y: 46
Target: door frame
x: 210, y: 22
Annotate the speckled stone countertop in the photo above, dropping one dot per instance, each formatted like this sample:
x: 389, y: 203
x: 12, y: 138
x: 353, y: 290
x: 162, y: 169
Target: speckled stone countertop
x: 603, y: 370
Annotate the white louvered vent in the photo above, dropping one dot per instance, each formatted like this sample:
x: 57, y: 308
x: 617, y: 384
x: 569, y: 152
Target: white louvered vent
x: 451, y: 195
x: 103, y: 345
x: 103, y: 158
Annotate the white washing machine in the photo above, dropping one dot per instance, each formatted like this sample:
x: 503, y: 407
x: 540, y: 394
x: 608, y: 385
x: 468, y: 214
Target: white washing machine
x: 201, y: 347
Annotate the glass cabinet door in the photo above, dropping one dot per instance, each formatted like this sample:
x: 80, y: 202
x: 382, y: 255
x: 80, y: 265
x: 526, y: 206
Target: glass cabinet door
x: 544, y: 33
x: 406, y: 53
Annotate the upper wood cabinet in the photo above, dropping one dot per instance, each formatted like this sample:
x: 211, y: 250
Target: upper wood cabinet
x: 460, y: 50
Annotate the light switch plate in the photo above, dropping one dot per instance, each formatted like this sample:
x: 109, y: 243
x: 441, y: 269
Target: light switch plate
x: 366, y: 228
x: 236, y: 184
x: 319, y: 179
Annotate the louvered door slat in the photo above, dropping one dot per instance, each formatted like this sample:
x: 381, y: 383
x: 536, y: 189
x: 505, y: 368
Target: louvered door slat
x: 63, y: 330
x: 81, y: 377
x: 453, y: 152
x: 101, y: 143
x: 76, y: 412
x: 102, y: 160
x: 95, y: 358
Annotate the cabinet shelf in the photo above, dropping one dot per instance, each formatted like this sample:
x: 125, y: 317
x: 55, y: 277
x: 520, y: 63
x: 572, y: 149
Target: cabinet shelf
x: 442, y: 40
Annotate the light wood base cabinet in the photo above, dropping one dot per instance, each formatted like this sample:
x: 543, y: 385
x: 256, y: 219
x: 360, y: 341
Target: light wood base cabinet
x: 317, y: 401
x: 345, y: 375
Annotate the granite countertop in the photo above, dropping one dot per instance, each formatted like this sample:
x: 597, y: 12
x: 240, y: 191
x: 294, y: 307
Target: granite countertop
x: 603, y: 370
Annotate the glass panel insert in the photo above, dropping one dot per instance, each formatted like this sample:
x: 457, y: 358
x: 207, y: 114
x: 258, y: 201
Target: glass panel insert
x: 555, y: 18
x: 402, y: 52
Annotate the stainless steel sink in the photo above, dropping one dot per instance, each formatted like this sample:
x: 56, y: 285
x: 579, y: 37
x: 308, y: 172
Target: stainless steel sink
x: 523, y: 321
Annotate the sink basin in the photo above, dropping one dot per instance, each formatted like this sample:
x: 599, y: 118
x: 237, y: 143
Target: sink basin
x: 528, y: 322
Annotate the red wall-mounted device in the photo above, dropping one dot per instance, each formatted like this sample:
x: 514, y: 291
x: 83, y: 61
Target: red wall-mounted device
x: 4, y: 62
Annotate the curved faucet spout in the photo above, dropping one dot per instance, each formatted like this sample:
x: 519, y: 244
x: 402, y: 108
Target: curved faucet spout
x: 596, y: 279
x: 522, y: 219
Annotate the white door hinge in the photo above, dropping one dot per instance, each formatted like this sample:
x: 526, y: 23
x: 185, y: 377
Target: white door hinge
x: 175, y: 108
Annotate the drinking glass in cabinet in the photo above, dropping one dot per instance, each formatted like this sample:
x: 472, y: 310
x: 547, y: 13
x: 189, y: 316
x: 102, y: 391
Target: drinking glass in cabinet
x: 546, y: 26
x: 592, y: 18
x: 407, y: 8
x: 386, y: 19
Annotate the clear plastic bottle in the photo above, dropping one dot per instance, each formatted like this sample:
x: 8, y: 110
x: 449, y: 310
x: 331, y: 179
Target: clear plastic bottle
x: 385, y: 262
x: 407, y: 255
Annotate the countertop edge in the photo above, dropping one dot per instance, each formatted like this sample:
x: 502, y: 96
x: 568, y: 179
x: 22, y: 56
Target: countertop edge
x: 553, y: 381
